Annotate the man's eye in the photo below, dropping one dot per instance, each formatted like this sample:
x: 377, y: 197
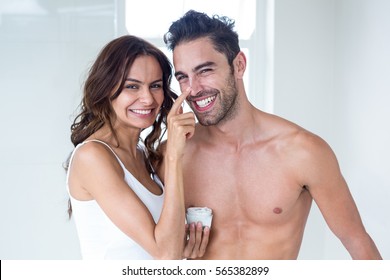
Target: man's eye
x: 181, y: 78
x: 205, y: 70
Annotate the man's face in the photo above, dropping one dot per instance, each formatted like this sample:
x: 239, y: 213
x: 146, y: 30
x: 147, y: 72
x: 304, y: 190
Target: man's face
x: 207, y: 72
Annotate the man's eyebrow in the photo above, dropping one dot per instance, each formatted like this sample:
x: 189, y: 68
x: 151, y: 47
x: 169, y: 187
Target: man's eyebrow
x: 200, y: 66
x: 197, y: 68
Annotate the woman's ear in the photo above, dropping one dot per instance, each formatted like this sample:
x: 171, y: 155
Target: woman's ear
x: 239, y: 64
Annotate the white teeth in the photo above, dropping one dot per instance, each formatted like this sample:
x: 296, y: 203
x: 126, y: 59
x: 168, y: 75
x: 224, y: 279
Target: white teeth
x: 142, y: 112
x: 204, y: 102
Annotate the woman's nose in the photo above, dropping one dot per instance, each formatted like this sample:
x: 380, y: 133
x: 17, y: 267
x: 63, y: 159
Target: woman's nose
x: 146, y: 97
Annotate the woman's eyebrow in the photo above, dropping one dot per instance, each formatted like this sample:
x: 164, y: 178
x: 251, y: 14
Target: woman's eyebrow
x: 137, y: 81
x: 134, y: 80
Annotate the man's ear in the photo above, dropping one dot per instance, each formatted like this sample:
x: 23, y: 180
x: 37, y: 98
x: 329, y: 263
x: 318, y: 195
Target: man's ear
x: 239, y: 64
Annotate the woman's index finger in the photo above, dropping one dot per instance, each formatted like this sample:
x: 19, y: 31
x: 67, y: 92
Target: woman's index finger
x: 179, y: 101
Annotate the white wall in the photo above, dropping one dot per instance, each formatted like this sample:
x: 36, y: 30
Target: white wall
x: 362, y: 115
x: 332, y: 69
x: 45, y: 50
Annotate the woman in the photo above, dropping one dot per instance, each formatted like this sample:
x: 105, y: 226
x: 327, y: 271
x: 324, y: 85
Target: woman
x: 121, y: 208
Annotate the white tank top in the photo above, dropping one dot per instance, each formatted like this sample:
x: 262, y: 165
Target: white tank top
x: 99, y: 237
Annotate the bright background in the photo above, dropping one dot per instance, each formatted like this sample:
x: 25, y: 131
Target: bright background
x: 324, y: 64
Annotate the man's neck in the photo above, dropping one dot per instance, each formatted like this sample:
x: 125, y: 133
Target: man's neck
x: 237, y: 131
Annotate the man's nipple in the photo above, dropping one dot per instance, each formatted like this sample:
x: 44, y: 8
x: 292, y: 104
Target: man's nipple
x: 278, y: 210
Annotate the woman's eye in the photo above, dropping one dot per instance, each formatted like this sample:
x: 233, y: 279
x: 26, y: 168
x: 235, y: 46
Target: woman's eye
x: 131, y: 86
x: 156, y: 86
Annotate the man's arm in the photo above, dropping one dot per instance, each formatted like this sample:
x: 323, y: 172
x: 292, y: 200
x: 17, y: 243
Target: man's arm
x: 329, y: 190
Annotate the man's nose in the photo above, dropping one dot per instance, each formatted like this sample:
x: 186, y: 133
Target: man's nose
x: 195, y: 85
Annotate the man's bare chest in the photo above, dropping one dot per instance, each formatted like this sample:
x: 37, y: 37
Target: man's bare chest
x: 241, y: 186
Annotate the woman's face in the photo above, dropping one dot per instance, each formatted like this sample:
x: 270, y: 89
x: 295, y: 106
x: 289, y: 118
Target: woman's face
x: 140, y: 100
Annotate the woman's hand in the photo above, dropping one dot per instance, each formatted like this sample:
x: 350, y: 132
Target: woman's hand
x: 196, y: 240
x: 181, y: 126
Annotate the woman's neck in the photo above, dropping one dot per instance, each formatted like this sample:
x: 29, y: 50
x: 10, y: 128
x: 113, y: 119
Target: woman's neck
x: 124, y: 139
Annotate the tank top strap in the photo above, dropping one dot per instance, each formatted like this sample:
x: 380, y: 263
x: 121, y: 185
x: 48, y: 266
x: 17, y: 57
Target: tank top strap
x: 111, y: 149
x: 70, y: 160
x: 154, y: 175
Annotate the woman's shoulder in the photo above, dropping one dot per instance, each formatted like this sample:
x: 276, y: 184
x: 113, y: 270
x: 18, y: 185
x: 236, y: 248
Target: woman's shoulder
x: 94, y: 153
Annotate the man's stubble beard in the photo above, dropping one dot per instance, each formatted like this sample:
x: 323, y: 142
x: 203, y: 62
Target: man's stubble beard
x: 229, y: 105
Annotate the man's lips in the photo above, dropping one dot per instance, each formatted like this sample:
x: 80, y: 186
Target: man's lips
x: 204, y: 103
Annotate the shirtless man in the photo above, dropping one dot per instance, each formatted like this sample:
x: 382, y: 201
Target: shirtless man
x: 259, y: 173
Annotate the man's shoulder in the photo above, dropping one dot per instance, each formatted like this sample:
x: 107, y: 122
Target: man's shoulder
x: 293, y: 136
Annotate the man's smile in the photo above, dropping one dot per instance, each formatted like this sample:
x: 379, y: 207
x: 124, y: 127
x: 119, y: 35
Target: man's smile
x: 203, y: 103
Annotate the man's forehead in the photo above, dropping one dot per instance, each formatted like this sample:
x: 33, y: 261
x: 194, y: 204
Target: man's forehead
x: 201, y: 45
x: 190, y: 55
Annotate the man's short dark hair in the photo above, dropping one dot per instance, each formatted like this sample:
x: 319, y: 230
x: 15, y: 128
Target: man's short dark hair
x: 194, y: 25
